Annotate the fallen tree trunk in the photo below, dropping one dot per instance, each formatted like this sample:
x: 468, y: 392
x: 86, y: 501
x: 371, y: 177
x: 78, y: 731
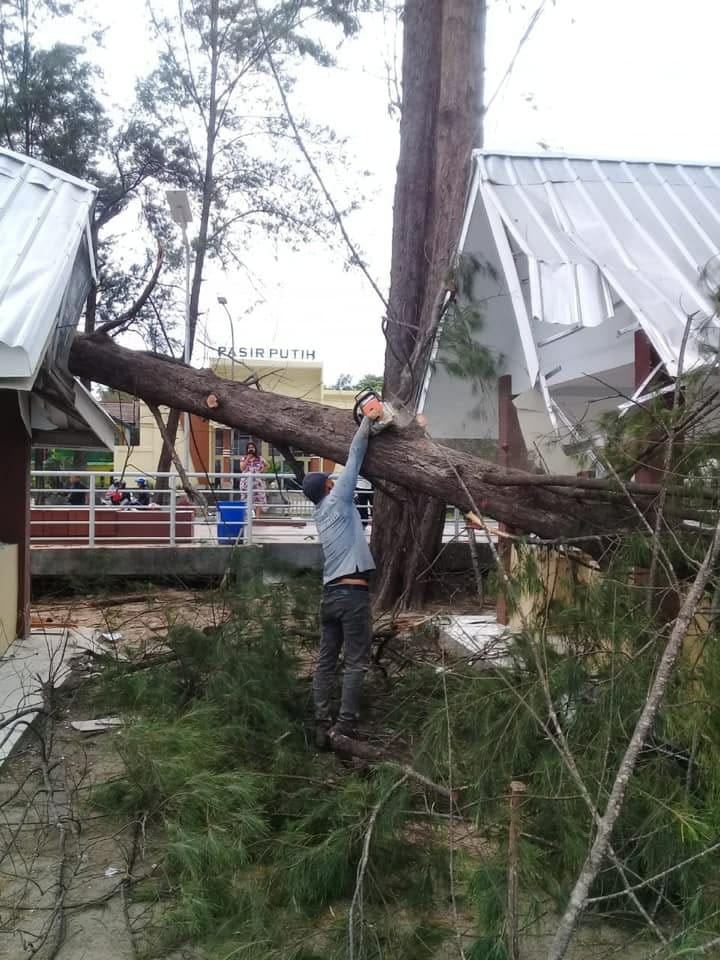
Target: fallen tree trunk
x: 406, y: 457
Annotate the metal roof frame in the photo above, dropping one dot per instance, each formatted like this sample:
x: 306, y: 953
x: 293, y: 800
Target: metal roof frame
x: 46, y: 267
x: 587, y: 243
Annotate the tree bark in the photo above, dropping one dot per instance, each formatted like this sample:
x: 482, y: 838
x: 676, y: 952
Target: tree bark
x: 166, y: 454
x: 441, y: 123
x: 407, y: 458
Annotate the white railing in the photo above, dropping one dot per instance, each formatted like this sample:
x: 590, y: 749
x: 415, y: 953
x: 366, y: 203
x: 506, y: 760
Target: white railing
x: 73, y: 508
x: 76, y: 507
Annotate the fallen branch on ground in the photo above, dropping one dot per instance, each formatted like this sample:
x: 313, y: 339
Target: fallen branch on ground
x: 614, y: 805
x: 357, y: 900
x: 365, y: 751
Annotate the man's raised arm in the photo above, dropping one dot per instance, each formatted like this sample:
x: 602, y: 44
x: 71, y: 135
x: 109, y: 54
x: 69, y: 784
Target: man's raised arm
x: 345, y: 486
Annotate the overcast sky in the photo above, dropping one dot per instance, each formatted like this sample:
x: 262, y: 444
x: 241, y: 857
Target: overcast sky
x: 617, y: 78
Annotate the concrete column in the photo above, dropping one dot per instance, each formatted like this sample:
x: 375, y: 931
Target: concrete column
x: 200, y: 438
x: 511, y: 446
x: 15, y: 497
x: 226, y: 461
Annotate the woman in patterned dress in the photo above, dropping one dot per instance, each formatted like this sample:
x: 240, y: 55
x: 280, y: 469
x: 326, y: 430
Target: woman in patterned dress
x: 252, y: 462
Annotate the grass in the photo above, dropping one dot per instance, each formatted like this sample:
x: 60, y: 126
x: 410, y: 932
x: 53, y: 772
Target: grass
x: 259, y: 835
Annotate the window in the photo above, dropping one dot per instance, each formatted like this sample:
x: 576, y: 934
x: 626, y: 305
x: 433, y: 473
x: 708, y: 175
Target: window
x: 277, y: 456
x: 128, y: 435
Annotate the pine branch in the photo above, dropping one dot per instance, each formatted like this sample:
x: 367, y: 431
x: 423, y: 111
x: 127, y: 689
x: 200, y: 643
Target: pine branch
x: 365, y: 751
x: 357, y: 900
x: 614, y: 806
x: 129, y: 315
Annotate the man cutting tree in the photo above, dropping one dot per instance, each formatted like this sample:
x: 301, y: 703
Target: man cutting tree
x: 345, y: 607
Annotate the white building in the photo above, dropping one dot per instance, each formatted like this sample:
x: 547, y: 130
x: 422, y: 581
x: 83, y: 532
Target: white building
x: 586, y: 272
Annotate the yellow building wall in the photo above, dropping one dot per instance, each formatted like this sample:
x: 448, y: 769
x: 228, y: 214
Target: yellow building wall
x: 558, y: 574
x: 286, y: 378
x: 8, y: 594
x: 301, y: 380
x: 344, y: 399
x: 145, y: 456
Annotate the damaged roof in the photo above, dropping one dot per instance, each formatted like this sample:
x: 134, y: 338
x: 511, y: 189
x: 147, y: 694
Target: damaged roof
x: 44, y: 232
x: 600, y: 232
x: 567, y: 258
x: 46, y: 269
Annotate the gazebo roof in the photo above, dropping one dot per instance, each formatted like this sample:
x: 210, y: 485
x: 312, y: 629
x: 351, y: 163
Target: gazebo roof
x: 572, y: 256
x: 46, y: 267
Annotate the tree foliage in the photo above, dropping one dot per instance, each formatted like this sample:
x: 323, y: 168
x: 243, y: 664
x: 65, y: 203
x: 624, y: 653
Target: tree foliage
x: 460, y: 349
x: 370, y: 381
x: 257, y: 837
x: 211, y: 91
x: 53, y: 111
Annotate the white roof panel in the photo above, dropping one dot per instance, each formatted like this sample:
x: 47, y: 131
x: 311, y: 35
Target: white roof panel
x: 44, y: 215
x: 595, y: 231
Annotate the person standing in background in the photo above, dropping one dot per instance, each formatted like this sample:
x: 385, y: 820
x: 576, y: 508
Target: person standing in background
x: 252, y: 462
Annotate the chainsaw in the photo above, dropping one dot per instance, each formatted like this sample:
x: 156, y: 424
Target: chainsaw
x: 369, y: 404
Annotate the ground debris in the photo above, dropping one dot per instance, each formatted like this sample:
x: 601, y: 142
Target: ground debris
x: 101, y: 725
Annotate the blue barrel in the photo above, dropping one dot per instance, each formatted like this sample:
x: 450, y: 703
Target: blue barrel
x: 231, y: 521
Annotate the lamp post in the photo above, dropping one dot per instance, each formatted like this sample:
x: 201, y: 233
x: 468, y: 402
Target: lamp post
x: 181, y: 214
x: 224, y: 304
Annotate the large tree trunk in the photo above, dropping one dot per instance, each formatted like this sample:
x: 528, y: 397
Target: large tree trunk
x: 441, y: 124
x: 407, y: 457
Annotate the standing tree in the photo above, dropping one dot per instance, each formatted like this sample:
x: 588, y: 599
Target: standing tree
x: 370, y: 381
x: 343, y: 382
x: 212, y: 65
x: 441, y: 123
x: 52, y: 110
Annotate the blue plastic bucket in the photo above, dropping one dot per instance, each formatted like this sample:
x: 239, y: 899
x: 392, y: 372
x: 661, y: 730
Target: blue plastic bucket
x: 231, y: 516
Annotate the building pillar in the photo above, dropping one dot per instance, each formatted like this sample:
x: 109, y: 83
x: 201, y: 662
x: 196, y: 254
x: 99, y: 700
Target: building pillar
x: 226, y: 484
x: 200, y: 439
x: 511, y: 454
x: 15, y: 497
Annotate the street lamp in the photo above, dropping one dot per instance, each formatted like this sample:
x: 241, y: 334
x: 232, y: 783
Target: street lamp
x: 180, y: 211
x: 224, y: 304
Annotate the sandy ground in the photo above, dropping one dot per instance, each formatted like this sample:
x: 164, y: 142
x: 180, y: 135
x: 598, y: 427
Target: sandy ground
x: 141, y: 618
x: 80, y: 866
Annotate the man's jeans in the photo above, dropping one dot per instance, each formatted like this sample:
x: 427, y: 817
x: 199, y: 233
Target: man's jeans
x: 344, y: 621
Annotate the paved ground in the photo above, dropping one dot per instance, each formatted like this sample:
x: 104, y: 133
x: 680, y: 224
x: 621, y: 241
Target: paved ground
x: 44, y: 657
x: 268, y: 532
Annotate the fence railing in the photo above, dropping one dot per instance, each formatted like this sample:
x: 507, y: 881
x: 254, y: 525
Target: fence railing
x: 83, y: 508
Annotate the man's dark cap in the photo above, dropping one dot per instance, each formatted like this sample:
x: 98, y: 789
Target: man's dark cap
x: 314, y: 486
